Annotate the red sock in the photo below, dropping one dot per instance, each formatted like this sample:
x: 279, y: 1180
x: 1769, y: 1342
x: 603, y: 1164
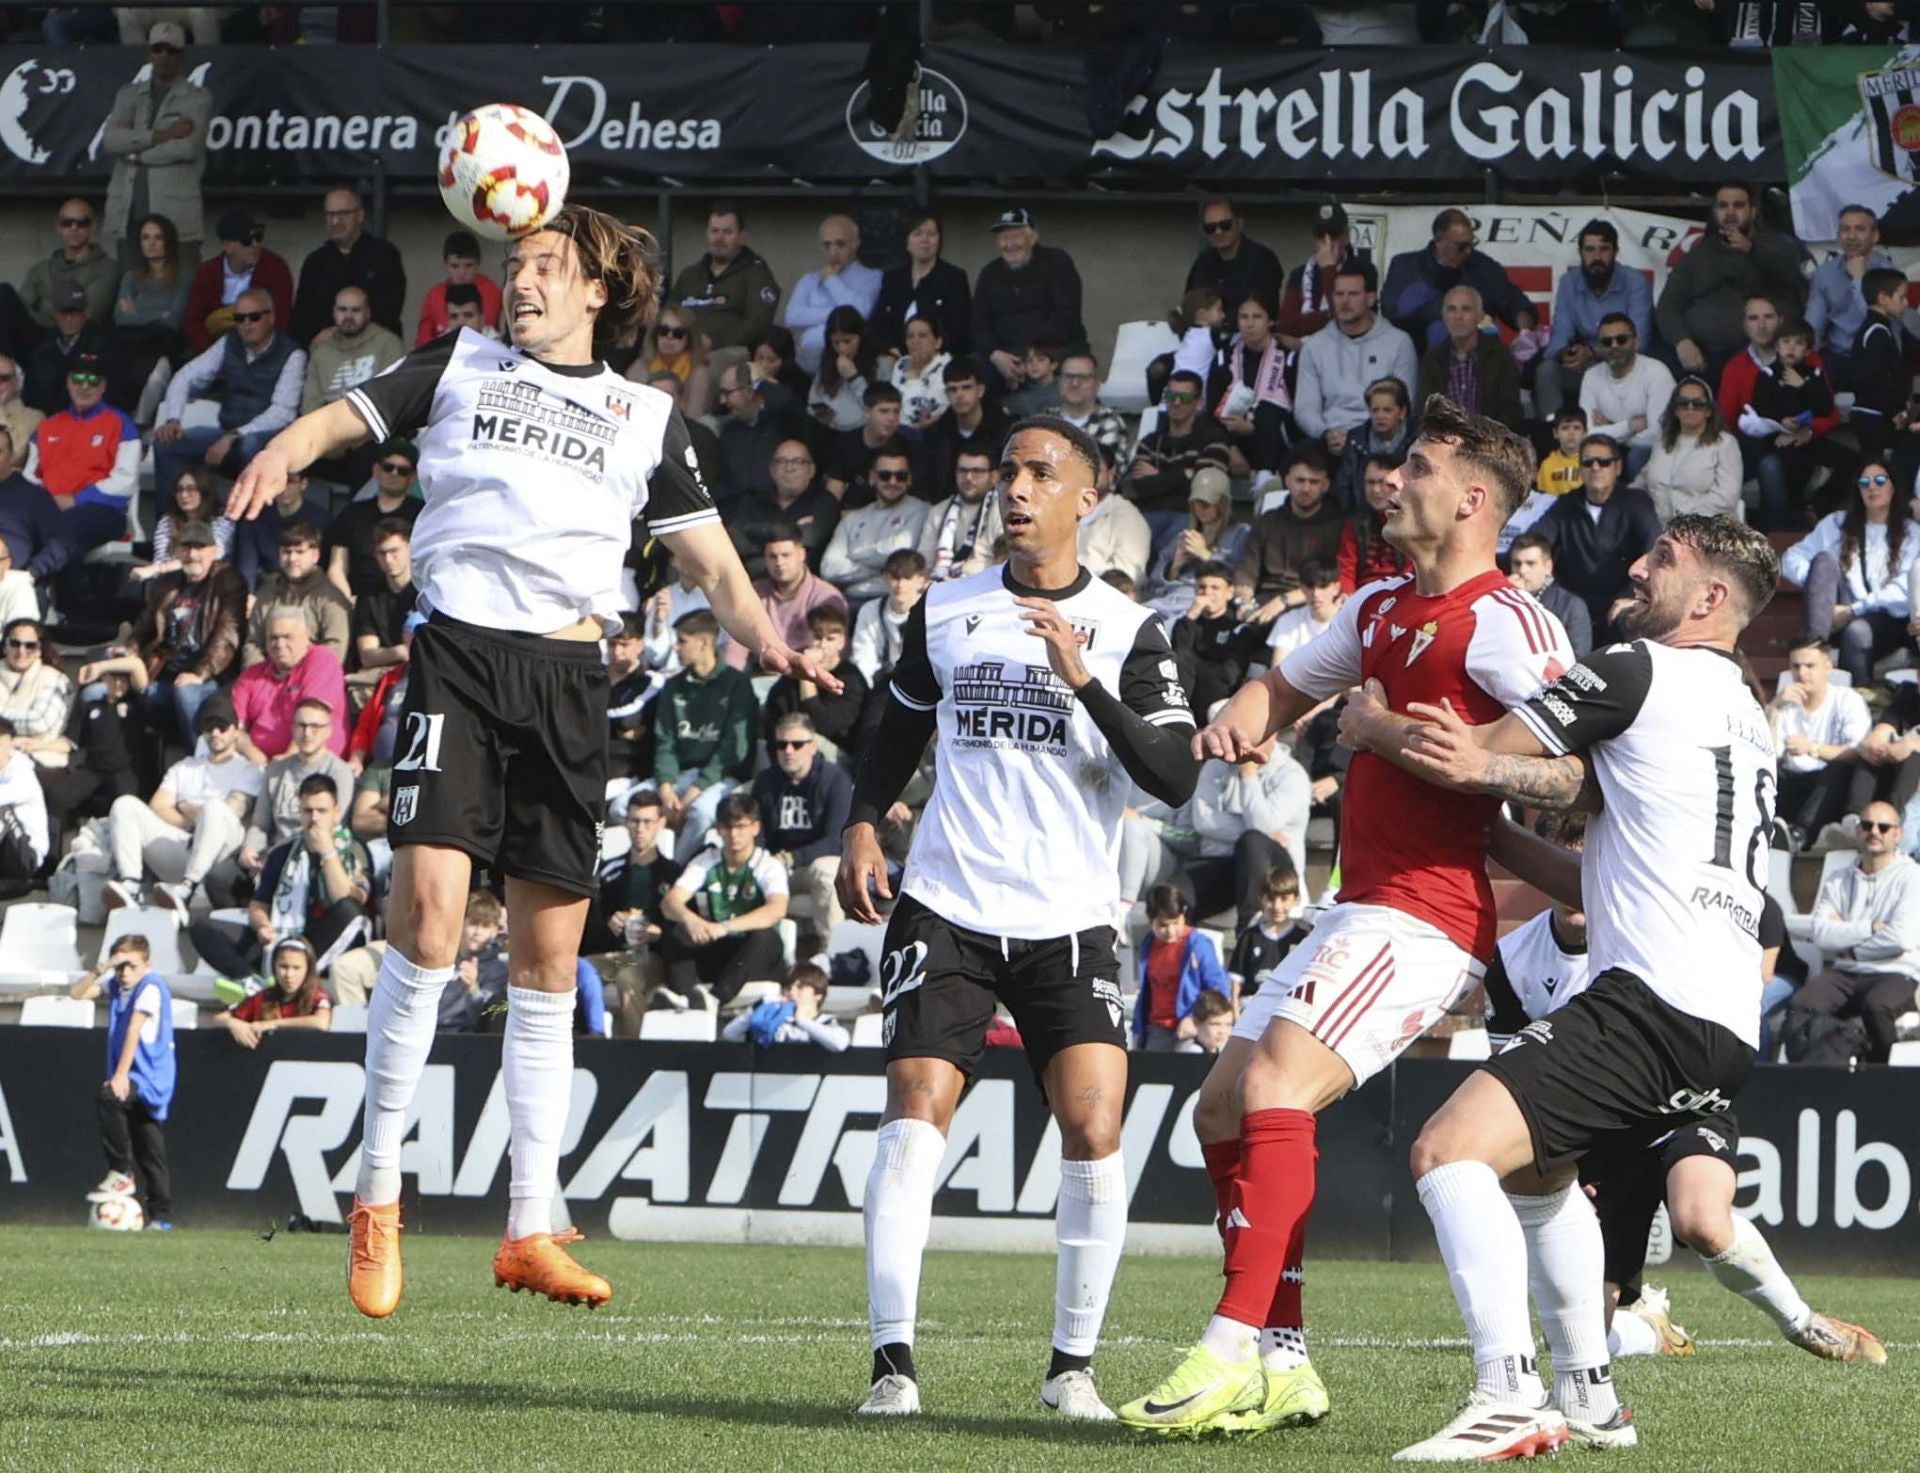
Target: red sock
x: 1223, y: 1167
x: 1271, y: 1199
x: 1286, y: 1314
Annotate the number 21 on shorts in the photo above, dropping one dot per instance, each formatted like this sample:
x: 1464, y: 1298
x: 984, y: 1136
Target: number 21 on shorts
x: 423, y: 743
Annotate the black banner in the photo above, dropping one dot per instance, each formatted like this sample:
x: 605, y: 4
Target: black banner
x: 1212, y: 115
x: 731, y: 1143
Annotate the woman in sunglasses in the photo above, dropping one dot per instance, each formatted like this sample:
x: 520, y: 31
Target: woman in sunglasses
x: 675, y: 346
x: 35, y: 694
x: 1852, y: 568
x: 1695, y: 468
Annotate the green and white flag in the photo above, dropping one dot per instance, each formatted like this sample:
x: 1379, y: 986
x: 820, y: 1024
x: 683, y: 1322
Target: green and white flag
x: 1850, y: 126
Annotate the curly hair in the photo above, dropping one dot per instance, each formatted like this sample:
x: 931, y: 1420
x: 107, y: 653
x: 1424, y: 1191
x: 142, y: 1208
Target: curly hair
x: 622, y: 258
x: 1744, y: 554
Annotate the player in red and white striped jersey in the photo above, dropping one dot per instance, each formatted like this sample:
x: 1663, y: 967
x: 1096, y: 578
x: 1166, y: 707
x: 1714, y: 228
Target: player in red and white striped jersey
x: 1415, y: 921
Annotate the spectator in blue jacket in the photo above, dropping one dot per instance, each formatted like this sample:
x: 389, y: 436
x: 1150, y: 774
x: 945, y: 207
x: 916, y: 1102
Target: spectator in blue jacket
x: 1584, y: 299
x: 1417, y: 282
x: 138, y: 1090
x: 1177, y: 964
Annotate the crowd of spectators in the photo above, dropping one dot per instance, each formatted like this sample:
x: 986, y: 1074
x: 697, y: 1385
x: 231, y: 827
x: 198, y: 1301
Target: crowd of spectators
x: 232, y: 746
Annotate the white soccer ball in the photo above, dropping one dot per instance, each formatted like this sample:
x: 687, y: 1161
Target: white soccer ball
x: 503, y: 171
x: 117, y: 1215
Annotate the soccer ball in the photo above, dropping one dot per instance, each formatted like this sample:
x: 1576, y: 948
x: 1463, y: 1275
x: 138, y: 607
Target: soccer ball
x: 117, y: 1215
x: 503, y: 171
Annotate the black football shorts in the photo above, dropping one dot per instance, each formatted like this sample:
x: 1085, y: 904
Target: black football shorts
x: 502, y: 752
x: 1616, y: 1058
x: 1628, y: 1178
x: 940, y: 983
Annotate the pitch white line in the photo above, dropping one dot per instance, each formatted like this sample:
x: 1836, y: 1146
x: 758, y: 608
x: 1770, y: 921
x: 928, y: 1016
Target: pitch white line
x: 65, y: 1339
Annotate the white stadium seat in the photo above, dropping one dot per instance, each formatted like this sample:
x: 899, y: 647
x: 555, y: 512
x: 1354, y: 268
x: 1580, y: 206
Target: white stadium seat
x: 186, y: 1013
x: 40, y: 938
x: 349, y: 1017
x: 56, y: 1012
x: 1135, y: 345
x: 694, y: 1026
x: 158, y: 924
x: 867, y: 1030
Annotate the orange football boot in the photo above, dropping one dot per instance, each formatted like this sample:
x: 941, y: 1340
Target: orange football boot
x: 374, y: 1274
x: 540, y: 1264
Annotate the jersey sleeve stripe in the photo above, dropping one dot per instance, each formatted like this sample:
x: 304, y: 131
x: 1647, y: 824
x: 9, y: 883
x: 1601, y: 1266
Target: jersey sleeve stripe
x: 376, y: 421
x: 1169, y: 718
x: 683, y: 521
x: 1523, y: 610
x: 909, y: 702
x: 1538, y: 725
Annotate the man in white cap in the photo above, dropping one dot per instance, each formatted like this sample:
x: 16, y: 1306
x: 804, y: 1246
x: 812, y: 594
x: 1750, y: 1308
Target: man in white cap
x: 157, y: 136
x: 1032, y: 292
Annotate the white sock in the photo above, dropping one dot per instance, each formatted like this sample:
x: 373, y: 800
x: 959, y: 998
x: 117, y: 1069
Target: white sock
x: 1631, y: 1335
x: 1566, y: 1268
x: 898, y: 1213
x: 1283, y: 1348
x: 1486, y: 1257
x: 401, y: 1016
x: 1230, y: 1340
x: 536, y: 1067
x: 1750, y: 1270
x: 1090, y: 1227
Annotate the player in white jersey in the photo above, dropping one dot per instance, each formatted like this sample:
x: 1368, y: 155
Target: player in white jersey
x: 1665, y: 1032
x: 536, y: 460
x: 1536, y: 969
x: 1012, y: 887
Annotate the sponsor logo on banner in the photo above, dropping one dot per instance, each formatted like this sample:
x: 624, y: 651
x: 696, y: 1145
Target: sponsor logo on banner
x: 26, y: 84
x: 631, y: 134
x: 1890, y: 104
x: 938, y: 125
x: 1490, y: 113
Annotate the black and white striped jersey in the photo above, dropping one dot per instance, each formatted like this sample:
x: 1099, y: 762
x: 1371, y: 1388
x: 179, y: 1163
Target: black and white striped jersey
x: 1675, y: 866
x: 1021, y: 837
x: 533, y: 475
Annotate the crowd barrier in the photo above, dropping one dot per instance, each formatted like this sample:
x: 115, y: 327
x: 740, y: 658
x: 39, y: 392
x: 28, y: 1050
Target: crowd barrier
x: 728, y: 1143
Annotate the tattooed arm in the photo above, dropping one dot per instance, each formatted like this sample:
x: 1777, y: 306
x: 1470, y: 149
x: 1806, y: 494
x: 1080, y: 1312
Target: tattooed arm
x: 1435, y: 744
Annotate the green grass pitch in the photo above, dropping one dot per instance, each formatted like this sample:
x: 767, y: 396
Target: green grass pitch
x: 219, y: 1351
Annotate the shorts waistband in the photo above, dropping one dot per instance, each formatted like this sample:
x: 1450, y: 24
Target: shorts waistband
x: 578, y: 651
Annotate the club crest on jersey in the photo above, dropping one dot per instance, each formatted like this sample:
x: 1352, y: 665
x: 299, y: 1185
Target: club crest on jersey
x: 406, y: 802
x: 1084, y: 630
x: 619, y: 406
x: 1422, y: 637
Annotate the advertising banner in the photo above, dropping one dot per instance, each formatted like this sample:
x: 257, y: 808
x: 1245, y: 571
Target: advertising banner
x: 730, y: 1143
x: 632, y: 116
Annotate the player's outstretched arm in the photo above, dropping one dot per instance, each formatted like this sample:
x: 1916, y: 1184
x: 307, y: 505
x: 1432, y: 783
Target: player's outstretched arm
x: 707, y: 553
x: 327, y: 431
x: 1549, y: 868
x: 1259, y: 709
x: 1503, y: 758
